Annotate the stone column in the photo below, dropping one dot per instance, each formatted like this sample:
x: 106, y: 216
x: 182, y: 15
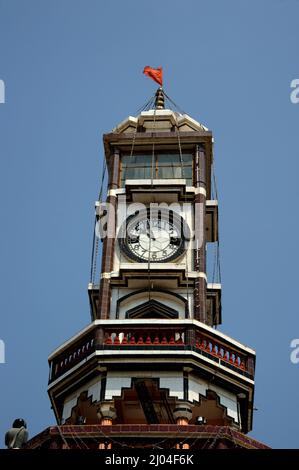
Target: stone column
x: 106, y: 413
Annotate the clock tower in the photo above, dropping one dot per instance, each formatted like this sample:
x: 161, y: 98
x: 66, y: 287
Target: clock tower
x: 152, y: 368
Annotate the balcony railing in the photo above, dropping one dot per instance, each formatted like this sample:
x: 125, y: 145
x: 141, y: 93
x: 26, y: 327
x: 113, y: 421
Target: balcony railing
x: 158, y: 337
x: 71, y: 356
x: 145, y: 338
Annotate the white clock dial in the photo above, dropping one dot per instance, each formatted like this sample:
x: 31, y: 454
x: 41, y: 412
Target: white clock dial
x: 154, y: 238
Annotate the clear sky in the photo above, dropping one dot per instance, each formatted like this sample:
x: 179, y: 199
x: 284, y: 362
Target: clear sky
x: 72, y: 70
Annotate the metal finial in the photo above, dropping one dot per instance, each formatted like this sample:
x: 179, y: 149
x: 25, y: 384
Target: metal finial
x: 159, y: 101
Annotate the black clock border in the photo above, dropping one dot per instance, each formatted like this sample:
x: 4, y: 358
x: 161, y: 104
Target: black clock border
x: 176, y: 219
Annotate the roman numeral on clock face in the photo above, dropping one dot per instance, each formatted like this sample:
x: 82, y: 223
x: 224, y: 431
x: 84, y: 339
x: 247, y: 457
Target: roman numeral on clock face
x: 154, y: 238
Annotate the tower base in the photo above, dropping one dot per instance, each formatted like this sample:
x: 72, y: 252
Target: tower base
x: 145, y: 436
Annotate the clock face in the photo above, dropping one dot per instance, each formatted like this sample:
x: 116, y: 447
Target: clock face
x: 155, y: 236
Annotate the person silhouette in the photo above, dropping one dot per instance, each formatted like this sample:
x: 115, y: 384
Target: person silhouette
x: 17, y: 436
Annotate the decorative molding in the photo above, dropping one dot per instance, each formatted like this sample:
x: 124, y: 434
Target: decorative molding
x: 152, y: 309
x: 140, y: 291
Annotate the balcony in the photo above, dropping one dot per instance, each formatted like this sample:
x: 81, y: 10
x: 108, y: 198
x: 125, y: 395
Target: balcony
x: 176, y: 339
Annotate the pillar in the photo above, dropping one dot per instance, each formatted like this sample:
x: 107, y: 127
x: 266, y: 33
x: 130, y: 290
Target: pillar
x: 200, y: 283
x: 109, y: 241
x: 182, y: 414
x: 106, y: 413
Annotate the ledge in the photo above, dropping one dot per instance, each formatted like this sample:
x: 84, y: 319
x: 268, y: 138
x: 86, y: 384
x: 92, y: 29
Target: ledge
x: 191, y: 433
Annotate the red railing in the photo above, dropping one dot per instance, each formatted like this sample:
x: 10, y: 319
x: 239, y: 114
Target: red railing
x: 143, y: 338
x: 72, y: 356
x: 221, y: 351
x: 173, y: 338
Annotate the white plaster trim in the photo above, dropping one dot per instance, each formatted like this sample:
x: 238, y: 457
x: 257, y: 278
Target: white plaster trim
x: 183, y: 118
x: 158, y: 182
x: 199, y: 387
x: 228, y: 400
x: 67, y: 407
x: 200, y: 191
x: 156, y: 113
x: 212, y: 202
x: 164, y: 266
x: 93, y: 389
x: 116, y: 192
x: 125, y: 123
x: 174, y: 384
x: 114, y: 386
x: 189, y: 189
x: 214, y: 285
x: 144, y: 353
x: 163, y: 352
x: 106, y: 275
x: 195, y: 388
x: 118, y: 380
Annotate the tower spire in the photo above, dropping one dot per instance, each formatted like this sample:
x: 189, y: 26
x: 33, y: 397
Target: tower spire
x: 159, y: 101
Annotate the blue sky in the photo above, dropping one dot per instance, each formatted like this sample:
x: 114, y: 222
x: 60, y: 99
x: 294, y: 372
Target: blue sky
x: 73, y: 70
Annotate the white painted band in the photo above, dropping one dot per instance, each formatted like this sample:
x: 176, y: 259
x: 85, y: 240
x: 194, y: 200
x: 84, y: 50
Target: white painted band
x: 200, y: 191
x: 106, y: 275
x: 115, y: 192
x: 192, y: 274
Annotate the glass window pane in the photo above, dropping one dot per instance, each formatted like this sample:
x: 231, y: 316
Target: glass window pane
x: 165, y: 172
x: 187, y: 158
x: 174, y: 172
x: 139, y: 159
x: 129, y: 173
x: 145, y: 160
x: 128, y: 159
x: 169, y: 166
x: 187, y: 172
x: 177, y: 171
x: 168, y: 159
x: 174, y: 158
x: 148, y: 172
x: 124, y: 159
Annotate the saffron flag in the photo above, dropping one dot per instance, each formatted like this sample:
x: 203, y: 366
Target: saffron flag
x: 154, y: 74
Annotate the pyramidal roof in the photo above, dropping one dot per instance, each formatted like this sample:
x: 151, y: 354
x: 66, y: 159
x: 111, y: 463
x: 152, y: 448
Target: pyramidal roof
x: 159, y: 120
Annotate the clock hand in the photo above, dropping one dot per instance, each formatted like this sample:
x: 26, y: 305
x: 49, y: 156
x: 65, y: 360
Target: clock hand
x: 149, y: 231
x: 152, y: 235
